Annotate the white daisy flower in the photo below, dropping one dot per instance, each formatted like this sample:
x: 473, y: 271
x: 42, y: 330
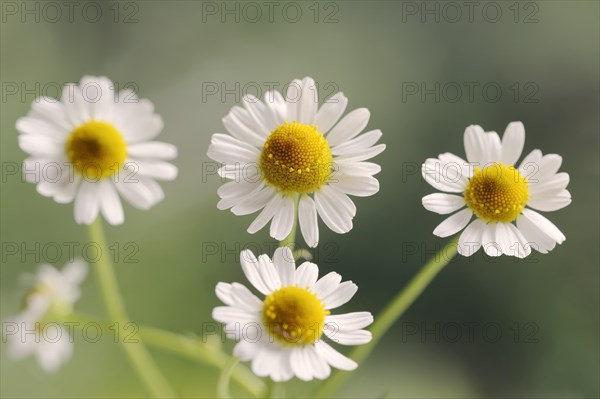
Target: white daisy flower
x: 37, y: 330
x: 287, y: 147
x: 92, y: 144
x: 498, y: 193
x: 282, y: 334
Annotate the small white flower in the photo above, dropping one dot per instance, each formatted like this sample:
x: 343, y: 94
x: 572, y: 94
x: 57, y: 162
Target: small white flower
x: 287, y: 147
x: 92, y: 144
x: 37, y: 330
x: 498, y: 193
x: 282, y: 334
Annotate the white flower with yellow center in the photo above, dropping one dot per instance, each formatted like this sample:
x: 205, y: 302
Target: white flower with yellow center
x: 37, y: 330
x: 92, y: 144
x: 288, y: 147
x: 498, y: 193
x: 283, y: 333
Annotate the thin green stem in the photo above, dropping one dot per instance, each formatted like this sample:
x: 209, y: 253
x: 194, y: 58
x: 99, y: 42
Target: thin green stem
x: 290, y: 240
x: 188, y: 347
x: 223, y: 383
x: 392, y: 312
x: 200, y: 351
x: 141, y: 360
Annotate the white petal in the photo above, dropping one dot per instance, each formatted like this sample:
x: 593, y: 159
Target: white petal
x: 350, y: 321
x: 326, y: 285
x: 283, y: 220
x: 334, y: 358
x: 551, y: 202
x: 306, y: 275
x: 244, y: 299
x: 489, y: 241
x: 154, y: 169
x: 454, y: 223
x: 337, y: 219
x: 301, y: 364
x: 443, y: 203
x: 341, y: 295
x: 40, y: 146
x: 87, y: 203
x: 360, y: 186
x: 470, y: 239
x: 268, y: 273
x: 110, y: 204
x: 548, y: 165
x: 254, y: 200
x: 240, y: 130
x: 227, y: 149
x: 143, y: 193
x: 307, y: 218
x: 536, y: 238
x: 513, y: 141
x: 319, y: 365
x: 475, y: 145
x: 307, y: 106
x: 356, y: 168
x: 544, y: 225
x: 223, y: 291
x: 445, y: 176
x: 283, y: 259
x: 350, y: 126
x: 153, y: 150
x: 355, y: 337
x: 246, y: 350
x: 362, y: 155
x: 230, y: 314
x: 362, y: 142
x: 330, y: 112
x: 511, y: 241
x: 249, y: 265
x: 266, y: 214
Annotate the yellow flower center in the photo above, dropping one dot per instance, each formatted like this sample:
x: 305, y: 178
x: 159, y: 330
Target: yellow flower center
x: 296, y: 158
x: 96, y: 149
x: 497, y: 193
x: 294, y: 316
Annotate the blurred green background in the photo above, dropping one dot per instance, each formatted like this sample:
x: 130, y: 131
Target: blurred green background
x: 544, y: 57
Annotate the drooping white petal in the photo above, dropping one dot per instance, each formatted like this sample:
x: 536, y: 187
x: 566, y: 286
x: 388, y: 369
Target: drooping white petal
x: 334, y: 358
x: 87, y: 203
x: 336, y: 218
x: 360, y: 186
x: 266, y: 214
x: 544, y: 225
x: 536, y: 238
x: 342, y: 294
x: 453, y: 224
x: 489, y: 240
x: 283, y: 220
x: 307, y: 218
x: 110, y: 204
x: 470, y: 239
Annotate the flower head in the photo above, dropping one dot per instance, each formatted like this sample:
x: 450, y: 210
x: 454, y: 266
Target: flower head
x: 37, y: 330
x: 94, y: 144
x: 282, y: 334
x: 498, y: 193
x: 286, y: 148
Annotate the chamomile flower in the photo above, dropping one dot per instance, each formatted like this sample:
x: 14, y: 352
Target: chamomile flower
x: 282, y: 334
x: 37, y: 330
x: 286, y: 148
x: 94, y: 144
x: 501, y: 195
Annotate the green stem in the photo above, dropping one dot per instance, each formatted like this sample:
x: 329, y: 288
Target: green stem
x: 290, y: 240
x: 393, y: 311
x: 223, y: 383
x: 189, y: 347
x: 141, y: 360
x: 194, y: 349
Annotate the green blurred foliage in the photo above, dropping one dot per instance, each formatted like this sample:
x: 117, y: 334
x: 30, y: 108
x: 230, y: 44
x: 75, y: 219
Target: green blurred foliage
x: 373, y: 53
